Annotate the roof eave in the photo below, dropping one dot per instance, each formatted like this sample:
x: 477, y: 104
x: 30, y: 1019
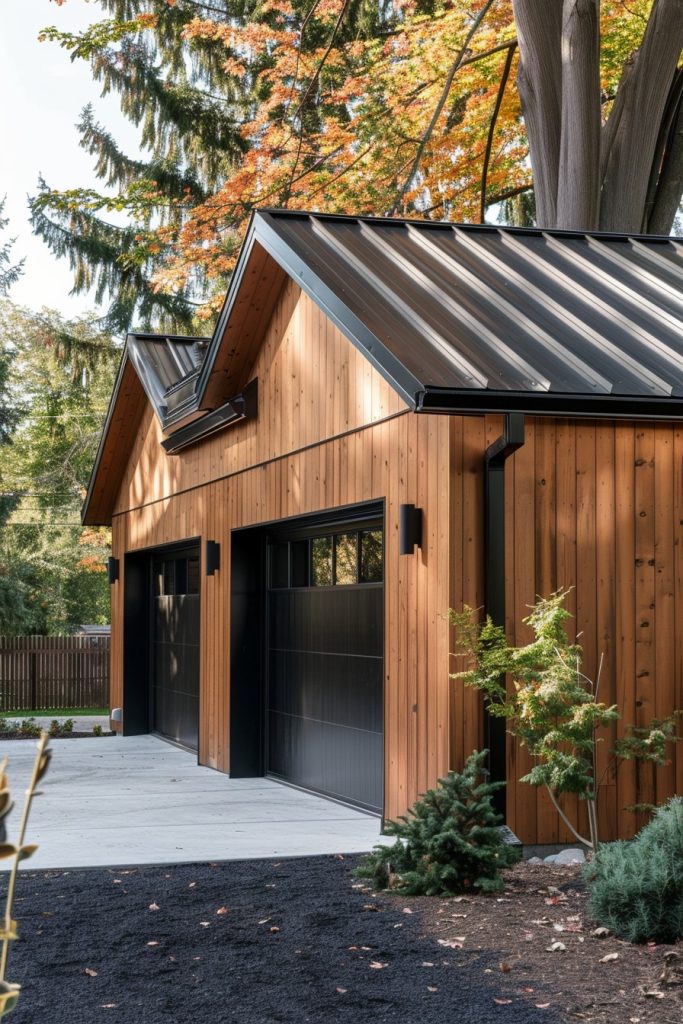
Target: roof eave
x: 606, y: 406
x: 85, y: 508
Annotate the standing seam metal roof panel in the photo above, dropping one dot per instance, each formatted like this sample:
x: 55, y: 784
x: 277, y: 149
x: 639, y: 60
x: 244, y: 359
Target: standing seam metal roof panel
x: 441, y: 299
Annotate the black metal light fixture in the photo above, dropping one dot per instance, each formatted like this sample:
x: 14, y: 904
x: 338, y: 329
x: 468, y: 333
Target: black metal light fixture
x: 410, y: 529
x: 112, y: 569
x: 212, y: 560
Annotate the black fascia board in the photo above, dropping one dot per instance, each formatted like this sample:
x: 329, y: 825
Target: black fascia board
x: 240, y: 407
x: 585, y: 406
x: 103, y: 435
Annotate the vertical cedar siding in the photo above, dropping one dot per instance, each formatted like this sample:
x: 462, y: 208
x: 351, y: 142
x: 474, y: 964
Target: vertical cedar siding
x: 596, y: 506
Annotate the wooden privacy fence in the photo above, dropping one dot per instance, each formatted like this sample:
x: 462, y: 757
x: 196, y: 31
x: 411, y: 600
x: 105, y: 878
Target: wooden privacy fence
x: 53, y: 672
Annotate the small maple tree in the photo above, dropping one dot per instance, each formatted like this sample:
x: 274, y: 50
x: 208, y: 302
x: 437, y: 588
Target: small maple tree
x: 550, y: 705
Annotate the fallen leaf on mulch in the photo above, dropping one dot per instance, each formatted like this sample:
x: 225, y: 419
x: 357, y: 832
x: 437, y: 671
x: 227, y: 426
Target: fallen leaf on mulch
x: 376, y: 965
x: 609, y: 958
x: 600, y: 933
x: 275, y: 928
x: 205, y: 924
x: 154, y: 906
x: 432, y: 988
x: 505, y: 967
x: 153, y: 942
x: 653, y: 994
x: 89, y: 971
x: 341, y: 991
x: 502, y: 1002
x: 541, y: 1006
x: 556, y: 947
x: 223, y: 910
x: 455, y: 943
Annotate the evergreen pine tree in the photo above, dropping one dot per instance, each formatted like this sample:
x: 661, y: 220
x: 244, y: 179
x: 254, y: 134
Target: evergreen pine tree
x: 449, y: 841
x: 188, y: 110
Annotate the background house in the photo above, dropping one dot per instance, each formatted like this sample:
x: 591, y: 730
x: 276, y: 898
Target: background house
x: 522, y: 389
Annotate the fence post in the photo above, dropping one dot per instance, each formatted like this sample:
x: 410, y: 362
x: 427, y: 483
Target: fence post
x: 34, y: 680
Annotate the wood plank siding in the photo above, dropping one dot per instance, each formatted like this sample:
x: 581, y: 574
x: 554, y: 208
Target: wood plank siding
x: 329, y: 432
x: 593, y: 506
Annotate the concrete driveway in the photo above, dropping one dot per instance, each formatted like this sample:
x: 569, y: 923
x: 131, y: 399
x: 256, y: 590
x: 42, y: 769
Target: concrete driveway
x: 137, y: 800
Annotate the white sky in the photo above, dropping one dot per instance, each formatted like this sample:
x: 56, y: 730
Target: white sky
x: 42, y: 96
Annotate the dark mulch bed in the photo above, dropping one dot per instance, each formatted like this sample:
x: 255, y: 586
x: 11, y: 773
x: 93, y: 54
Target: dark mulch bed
x: 264, y: 942
x: 256, y: 942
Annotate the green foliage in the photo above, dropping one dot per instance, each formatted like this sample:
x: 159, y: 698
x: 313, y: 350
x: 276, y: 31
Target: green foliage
x: 24, y: 728
x: 550, y: 705
x: 449, y: 842
x: 97, y: 730
x: 9, y: 272
x: 52, y: 570
x: 636, y: 887
x: 64, y: 728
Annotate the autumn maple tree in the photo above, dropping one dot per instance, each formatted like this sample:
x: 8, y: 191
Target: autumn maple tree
x: 567, y: 113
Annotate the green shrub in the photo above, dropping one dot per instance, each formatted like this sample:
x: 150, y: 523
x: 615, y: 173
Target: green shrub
x: 64, y: 728
x: 449, y: 842
x: 27, y: 727
x: 97, y: 730
x: 636, y: 887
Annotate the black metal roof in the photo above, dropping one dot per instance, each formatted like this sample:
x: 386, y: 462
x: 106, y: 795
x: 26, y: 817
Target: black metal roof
x: 491, y: 319
x: 168, y: 367
x: 468, y: 318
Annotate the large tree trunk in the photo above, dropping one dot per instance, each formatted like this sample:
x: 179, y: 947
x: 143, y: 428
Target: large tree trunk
x: 632, y: 147
x: 578, y: 187
x: 667, y: 197
x: 539, y: 31
x: 629, y: 175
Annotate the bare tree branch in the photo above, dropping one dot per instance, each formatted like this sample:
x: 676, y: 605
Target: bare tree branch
x: 455, y: 66
x: 492, y: 128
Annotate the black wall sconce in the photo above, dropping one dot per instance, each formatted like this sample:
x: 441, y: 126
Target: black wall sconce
x: 410, y: 529
x: 112, y: 569
x: 212, y: 557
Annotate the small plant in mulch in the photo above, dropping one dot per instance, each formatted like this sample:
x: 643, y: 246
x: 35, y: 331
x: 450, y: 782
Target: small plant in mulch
x: 19, y: 851
x: 449, y: 842
x: 64, y: 728
x: 25, y: 728
x: 636, y: 887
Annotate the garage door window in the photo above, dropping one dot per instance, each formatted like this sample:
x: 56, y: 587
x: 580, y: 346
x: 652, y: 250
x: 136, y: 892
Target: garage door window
x: 332, y: 560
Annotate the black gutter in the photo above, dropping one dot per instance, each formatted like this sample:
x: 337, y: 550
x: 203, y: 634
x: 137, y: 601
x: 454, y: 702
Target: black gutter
x: 548, y: 403
x: 496, y: 456
x: 241, y: 407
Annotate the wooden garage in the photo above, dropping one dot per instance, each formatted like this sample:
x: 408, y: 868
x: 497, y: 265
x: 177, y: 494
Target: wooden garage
x: 393, y: 418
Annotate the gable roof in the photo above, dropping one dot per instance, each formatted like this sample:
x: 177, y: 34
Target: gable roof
x: 457, y: 318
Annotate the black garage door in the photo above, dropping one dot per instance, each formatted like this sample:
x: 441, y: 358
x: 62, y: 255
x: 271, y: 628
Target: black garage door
x: 324, y: 708
x: 174, y: 692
